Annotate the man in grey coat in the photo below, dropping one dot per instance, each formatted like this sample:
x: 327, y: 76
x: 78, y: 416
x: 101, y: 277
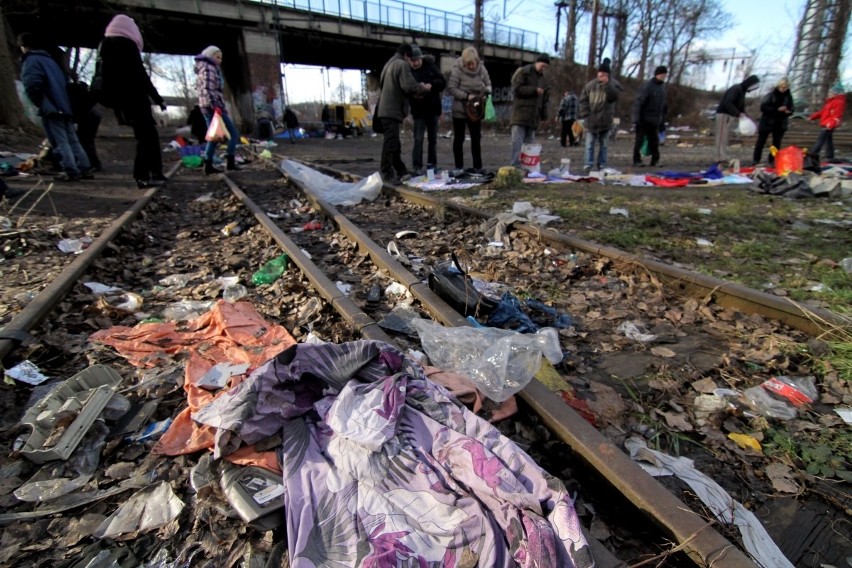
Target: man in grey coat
x: 648, y: 111
x: 398, y: 83
x: 597, y: 109
x: 529, y: 106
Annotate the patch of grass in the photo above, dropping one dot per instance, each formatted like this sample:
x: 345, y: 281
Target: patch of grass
x: 823, y: 453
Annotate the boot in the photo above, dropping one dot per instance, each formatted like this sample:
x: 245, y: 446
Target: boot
x: 209, y: 168
x: 232, y: 165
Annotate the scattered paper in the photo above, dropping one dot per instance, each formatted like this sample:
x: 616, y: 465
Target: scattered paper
x: 26, y: 372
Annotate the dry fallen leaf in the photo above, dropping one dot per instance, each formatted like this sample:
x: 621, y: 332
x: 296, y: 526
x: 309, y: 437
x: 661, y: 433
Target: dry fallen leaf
x: 782, y: 478
x: 663, y: 352
x: 705, y: 385
x: 746, y: 442
x: 676, y: 421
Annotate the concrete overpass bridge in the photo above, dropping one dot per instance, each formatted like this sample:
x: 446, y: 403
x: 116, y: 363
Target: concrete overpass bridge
x: 257, y: 35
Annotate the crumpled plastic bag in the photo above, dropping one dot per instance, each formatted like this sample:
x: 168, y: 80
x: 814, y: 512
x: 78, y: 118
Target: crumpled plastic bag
x: 329, y: 189
x: 499, y: 362
x: 149, y: 509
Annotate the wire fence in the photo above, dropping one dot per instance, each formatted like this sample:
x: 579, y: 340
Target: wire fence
x: 413, y: 17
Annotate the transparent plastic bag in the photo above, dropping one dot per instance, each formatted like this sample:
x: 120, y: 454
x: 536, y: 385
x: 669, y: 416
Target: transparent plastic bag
x: 764, y: 403
x: 499, y: 362
x: 332, y: 190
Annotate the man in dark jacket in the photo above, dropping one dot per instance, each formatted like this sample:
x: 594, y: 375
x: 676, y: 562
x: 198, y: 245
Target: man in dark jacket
x: 567, y: 116
x: 425, y: 109
x: 529, y: 105
x: 648, y: 115
x: 730, y: 108
x: 46, y: 86
x: 775, y: 108
x: 597, y: 109
x: 397, y: 85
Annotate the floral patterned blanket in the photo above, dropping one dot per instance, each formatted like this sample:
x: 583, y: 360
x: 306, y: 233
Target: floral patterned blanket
x: 384, y: 468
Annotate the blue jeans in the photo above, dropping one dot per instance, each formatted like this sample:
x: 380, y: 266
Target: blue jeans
x: 601, y: 139
x: 520, y: 135
x: 63, y: 138
x: 427, y: 125
x: 232, y: 142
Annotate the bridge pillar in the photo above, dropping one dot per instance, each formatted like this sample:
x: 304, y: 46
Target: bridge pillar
x: 261, y: 70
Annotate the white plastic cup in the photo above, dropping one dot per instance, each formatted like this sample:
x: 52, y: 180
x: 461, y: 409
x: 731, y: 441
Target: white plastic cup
x: 445, y: 176
x: 566, y: 165
x: 430, y: 174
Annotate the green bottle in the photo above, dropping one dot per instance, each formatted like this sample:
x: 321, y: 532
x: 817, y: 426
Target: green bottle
x: 271, y: 271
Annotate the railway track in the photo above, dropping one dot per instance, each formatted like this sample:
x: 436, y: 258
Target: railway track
x: 336, y: 252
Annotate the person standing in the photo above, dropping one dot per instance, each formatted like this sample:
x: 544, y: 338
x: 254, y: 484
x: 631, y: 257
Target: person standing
x: 211, y: 99
x: 648, y: 111
x: 830, y: 116
x: 397, y: 85
x: 291, y: 121
x: 567, y: 115
x: 88, y: 119
x: 46, y: 86
x: 469, y: 81
x: 730, y: 108
x: 425, y: 109
x: 129, y: 89
x: 597, y: 109
x: 775, y: 108
x: 529, y: 106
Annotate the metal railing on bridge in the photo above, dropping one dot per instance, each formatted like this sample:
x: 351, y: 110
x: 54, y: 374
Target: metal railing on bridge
x: 413, y: 17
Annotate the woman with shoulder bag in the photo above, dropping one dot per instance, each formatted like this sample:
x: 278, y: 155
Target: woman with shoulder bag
x: 211, y: 99
x: 469, y: 86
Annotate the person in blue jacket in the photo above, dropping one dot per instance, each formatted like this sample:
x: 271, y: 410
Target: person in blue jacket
x: 46, y: 86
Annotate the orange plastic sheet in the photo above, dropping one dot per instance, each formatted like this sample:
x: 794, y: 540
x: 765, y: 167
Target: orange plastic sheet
x: 228, y: 333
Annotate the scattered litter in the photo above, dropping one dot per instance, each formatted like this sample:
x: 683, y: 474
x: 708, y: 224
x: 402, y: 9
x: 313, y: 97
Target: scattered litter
x: 845, y: 414
x: 234, y: 293
x: 498, y: 361
x: 619, y: 211
x: 746, y: 442
x: 404, y: 234
x: 220, y: 374
x: 205, y: 198
x: 149, y: 509
x: 61, y: 419
x: 395, y: 289
x: 151, y: 431
x: 26, y: 372
x: 100, y: 289
x: 76, y: 246
x: 631, y: 330
x: 704, y: 211
x: 703, y: 242
x: 343, y: 287
x: 329, y: 189
x: 728, y: 511
x: 232, y: 228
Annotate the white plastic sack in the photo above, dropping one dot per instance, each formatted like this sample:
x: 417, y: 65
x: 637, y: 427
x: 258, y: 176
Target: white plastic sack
x: 746, y: 126
x: 329, y: 189
x: 499, y: 362
x: 531, y: 158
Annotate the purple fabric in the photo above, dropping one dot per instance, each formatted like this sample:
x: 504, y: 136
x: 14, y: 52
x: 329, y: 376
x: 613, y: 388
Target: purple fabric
x: 124, y: 26
x: 384, y: 468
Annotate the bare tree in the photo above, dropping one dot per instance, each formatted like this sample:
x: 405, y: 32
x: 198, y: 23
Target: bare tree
x: 690, y: 20
x: 11, y: 111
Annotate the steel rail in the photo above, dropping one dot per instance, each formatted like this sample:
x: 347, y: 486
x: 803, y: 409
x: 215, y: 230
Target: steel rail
x: 815, y: 322
x: 17, y: 330
x: 703, y: 544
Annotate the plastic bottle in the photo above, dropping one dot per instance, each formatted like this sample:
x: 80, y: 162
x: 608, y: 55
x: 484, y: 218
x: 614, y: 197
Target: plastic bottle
x: 271, y: 271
